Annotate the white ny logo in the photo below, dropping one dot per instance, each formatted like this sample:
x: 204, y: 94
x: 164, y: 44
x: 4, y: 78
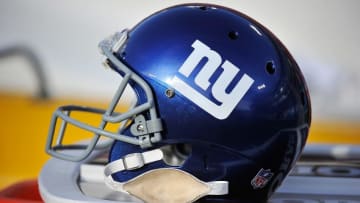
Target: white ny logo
x: 228, y: 100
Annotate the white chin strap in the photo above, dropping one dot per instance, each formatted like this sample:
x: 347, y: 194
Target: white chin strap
x: 160, y: 185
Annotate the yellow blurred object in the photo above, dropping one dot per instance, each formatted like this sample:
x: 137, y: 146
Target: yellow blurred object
x: 23, y: 133
x: 335, y: 132
x: 25, y: 121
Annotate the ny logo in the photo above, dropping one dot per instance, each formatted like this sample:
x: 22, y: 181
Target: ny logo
x: 227, y: 101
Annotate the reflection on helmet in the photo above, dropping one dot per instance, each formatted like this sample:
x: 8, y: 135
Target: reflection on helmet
x: 219, y: 98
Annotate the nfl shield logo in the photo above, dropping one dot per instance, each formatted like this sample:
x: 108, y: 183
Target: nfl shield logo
x: 261, y: 178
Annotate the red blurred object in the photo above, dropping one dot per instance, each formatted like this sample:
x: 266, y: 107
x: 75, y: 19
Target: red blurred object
x: 22, y: 192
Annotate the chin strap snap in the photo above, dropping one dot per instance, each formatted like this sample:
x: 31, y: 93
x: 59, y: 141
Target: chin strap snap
x: 168, y: 179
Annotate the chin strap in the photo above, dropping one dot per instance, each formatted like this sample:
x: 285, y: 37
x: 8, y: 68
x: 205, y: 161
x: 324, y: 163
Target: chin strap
x: 169, y: 179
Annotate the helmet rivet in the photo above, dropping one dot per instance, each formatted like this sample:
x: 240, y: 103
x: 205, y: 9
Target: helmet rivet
x: 170, y: 93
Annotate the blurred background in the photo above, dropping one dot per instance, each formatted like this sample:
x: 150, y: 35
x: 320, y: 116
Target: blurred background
x: 49, y: 57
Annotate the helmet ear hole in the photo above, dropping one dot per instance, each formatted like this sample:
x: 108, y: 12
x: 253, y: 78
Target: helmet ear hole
x: 270, y: 67
x: 176, y: 154
x: 233, y: 35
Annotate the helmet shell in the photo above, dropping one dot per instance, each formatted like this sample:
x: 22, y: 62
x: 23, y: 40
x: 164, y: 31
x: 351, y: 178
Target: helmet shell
x: 267, y: 128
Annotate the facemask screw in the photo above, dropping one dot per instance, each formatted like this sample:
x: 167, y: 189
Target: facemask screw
x: 140, y: 128
x: 170, y: 93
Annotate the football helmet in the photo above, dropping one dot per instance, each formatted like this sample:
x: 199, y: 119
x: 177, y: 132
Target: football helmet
x: 219, y: 99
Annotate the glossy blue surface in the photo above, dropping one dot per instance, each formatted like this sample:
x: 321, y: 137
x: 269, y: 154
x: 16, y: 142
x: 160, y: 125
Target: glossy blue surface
x: 265, y: 129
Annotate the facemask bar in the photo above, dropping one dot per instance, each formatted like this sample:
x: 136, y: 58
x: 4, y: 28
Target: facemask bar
x: 146, y: 132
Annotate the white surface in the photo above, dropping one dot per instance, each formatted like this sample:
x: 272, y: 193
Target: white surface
x: 64, y: 182
x: 322, y: 35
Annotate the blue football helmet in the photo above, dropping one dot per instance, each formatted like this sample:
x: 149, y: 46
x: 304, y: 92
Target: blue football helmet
x: 219, y: 98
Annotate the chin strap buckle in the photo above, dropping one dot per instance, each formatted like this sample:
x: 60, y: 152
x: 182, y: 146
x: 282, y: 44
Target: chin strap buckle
x: 133, y: 161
